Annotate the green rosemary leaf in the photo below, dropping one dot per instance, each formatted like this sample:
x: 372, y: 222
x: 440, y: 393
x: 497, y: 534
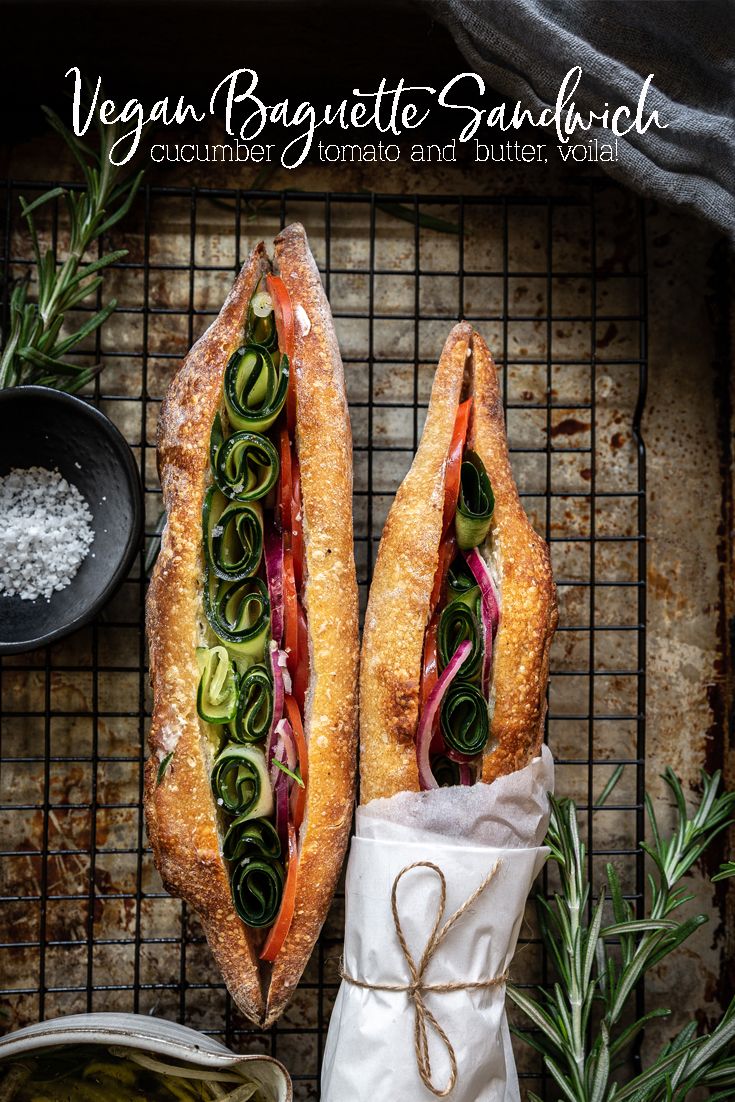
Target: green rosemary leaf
x: 593, y: 936
x: 538, y: 1016
x: 295, y: 775
x: 536, y: 1041
x: 89, y: 327
x: 40, y: 359
x: 28, y: 208
x: 584, y: 1020
x: 637, y: 926
x: 601, y: 1068
x: 97, y: 265
x: 628, y: 1035
x: 561, y: 1080
x: 123, y: 210
x: 611, y: 784
x: 163, y: 767
x: 81, y: 151
x: 33, y: 350
x: 726, y: 870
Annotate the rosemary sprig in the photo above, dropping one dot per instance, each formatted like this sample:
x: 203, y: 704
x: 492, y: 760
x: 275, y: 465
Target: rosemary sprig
x: 35, y: 350
x: 582, y: 1024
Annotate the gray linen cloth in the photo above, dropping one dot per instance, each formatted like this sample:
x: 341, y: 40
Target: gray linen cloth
x: 524, y: 48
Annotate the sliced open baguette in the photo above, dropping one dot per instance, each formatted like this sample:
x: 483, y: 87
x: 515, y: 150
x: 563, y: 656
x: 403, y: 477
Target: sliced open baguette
x: 403, y: 579
x: 184, y: 822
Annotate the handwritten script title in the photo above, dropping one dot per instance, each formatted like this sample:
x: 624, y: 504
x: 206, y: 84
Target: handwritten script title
x: 390, y: 110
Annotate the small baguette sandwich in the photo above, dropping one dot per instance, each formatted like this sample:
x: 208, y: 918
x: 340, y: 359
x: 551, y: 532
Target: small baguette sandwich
x: 462, y: 605
x: 252, y: 623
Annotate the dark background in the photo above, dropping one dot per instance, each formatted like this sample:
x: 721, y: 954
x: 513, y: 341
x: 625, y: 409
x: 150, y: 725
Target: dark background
x: 315, y: 50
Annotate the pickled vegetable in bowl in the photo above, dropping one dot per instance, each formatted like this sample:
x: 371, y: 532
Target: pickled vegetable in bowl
x: 93, y: 1073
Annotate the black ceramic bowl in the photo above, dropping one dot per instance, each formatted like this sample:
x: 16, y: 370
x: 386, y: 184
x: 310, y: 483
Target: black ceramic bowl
x: 41, y: 427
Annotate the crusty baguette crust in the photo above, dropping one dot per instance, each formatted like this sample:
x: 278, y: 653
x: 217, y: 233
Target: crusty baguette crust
x: 400, y: 592
x: 180, y: 811
x: 528, y: 596
x: 324, y: 444
x: 182, y: 818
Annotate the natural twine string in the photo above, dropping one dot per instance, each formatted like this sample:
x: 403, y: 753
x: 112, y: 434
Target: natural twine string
x: 417, y: 988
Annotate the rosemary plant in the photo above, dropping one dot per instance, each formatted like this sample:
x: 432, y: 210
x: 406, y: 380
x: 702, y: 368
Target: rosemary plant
x: 583, y: 1023
x: 36, y: 345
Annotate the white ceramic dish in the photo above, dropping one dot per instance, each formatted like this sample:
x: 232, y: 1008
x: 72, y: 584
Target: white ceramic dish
x: 152, y: 1035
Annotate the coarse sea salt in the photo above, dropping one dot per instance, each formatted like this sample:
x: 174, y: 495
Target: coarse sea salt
x: 45, y: 533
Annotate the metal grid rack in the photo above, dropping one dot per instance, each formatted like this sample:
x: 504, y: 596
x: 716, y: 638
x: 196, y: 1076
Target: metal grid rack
x: 558, y: 287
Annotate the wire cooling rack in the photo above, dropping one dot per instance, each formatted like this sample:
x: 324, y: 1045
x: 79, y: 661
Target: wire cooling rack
x: 558, y: 288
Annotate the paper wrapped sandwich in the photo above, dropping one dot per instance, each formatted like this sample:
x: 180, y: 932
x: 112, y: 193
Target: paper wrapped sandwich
x: 449, y: 836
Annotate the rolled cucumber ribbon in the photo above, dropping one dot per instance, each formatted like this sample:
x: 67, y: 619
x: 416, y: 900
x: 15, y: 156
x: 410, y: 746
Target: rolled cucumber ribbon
x: 257, y: 890
x: 252, y: 719
x: 239, y: 614
x: 245, y: 465
x: 217, y: 692
x: 233, y: 535
x: 461, y: 620
x: 476, y: 502
x: 459, y: 578
x: 248, y: 837
x: 254, y: 388
x: 465, y: 723
x: 240, y: 782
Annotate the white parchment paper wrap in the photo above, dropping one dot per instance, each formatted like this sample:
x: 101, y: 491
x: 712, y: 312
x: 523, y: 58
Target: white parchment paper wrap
x: 370, y: 1054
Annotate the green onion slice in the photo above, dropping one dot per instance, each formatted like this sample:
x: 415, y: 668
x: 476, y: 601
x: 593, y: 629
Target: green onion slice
x: 248, y: 837
x: 255, y: 389
x: 257, y: 888
x: 476, y: 502
x: 239, y: 614
x: 254, y: 706
x: 261, y: 327
x: 245, y: 465
x: 460, y: 620
x: 217, y: 692
x: 465, y: 723
x: 240, y: 782
x: 233, y: 535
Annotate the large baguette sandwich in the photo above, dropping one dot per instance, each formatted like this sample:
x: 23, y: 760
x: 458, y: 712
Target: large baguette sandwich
x: 462, y: 605
x: 252, y: 628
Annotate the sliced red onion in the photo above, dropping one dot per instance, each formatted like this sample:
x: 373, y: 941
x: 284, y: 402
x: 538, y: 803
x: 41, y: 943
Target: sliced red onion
x: 283, y: 663
x: 273, y: 544
x: 456, y: 756
x: 426, y: 723
x: 280, y: 795
x: 284, y: 750
x: 465, y: 774
x: 490, y: 610
x: 279, y: 695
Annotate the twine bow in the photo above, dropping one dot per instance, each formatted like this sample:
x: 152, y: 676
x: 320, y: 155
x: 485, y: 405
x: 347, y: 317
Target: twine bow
x: 417, y: 988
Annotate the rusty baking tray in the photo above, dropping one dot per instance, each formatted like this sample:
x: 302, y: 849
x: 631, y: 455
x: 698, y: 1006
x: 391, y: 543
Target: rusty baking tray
x: 558, y: 287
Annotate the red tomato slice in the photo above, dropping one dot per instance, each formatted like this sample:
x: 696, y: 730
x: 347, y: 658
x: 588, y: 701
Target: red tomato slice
x: 282, y: 925
x: 290, y: 613
x: 301, y: 675
x: 297, y: 525
x: 430, y: 665
x: 284, y: 485
x: 286, y: 339
x: 447, y: 551
x: 454, y: 462
x: 298, y: 794
x: 283, y: 313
